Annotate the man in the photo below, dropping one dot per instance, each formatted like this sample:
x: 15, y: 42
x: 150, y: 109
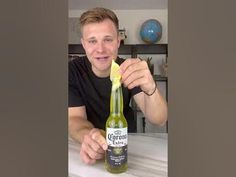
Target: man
x: 90, y: 86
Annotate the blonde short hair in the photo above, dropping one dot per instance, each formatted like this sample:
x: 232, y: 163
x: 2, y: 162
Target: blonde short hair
x: 97, y: 15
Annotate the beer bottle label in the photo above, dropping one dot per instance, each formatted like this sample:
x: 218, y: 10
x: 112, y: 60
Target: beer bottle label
x: 117, y: 139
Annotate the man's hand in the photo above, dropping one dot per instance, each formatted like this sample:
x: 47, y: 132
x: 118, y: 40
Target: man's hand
x: 93, y: 146
x: 135, y: 72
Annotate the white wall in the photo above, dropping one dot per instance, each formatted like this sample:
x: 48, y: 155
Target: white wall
x: 131, y: 20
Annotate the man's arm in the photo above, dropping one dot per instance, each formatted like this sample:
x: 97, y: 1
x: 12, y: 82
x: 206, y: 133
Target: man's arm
x: 93, y: 143
x: 135, y: 72
x: 78, y: 123
x: 154, y: 107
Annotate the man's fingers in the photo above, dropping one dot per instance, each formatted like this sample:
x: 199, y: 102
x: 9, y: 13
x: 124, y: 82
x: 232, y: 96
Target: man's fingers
x: 134, y: 76
x: 96, y: 147
x: 93, y: 154
x: 100, y: 139
x: 90, y: 153
x: 127, y: 63
x: 131, y: 67
x: 85, y: 157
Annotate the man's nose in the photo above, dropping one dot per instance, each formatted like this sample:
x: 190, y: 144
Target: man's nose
x: 100, y: 47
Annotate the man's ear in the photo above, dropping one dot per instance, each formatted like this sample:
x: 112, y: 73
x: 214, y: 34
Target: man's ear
x: 119, y: 41
x: 82, y: 41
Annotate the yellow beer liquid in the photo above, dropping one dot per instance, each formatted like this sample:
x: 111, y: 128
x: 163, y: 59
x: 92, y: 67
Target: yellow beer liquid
x: 116, y: 132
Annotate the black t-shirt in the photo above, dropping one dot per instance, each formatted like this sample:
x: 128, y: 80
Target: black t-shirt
x: 86, y: 89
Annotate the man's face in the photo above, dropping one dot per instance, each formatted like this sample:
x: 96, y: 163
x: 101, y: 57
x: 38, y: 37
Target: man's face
x: 101, y: 43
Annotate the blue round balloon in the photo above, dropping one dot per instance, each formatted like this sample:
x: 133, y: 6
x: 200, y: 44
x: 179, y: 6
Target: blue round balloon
x: 151, y: 31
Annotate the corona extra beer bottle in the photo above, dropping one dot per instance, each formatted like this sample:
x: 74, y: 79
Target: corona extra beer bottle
x: 116, y: 133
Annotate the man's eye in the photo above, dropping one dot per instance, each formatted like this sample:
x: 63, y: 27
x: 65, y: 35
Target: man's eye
x: 108, y: 40
x: 92, y: 42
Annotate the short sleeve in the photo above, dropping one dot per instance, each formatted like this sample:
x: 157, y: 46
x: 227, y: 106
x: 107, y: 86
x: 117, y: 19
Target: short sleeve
x: 74, y: 97
x: 135, y: 91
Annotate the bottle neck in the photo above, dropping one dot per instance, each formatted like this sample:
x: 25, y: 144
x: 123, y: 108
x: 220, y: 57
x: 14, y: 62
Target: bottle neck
x: 116, y: 102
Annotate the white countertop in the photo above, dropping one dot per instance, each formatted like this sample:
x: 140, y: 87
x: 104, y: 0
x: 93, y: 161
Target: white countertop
x: 147, y: 157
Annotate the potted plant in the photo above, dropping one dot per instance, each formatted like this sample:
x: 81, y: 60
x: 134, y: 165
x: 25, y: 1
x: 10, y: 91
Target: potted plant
x: 150, y: 65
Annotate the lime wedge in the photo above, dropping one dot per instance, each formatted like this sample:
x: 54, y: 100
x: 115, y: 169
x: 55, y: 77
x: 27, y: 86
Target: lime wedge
x: 115, y: 75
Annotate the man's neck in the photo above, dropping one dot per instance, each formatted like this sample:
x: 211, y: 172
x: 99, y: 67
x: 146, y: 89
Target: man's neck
x: 100, y: 74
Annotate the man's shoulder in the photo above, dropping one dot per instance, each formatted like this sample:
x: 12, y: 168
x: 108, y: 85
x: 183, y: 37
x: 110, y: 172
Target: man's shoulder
x: 79, y: 62
x: 79, y: 67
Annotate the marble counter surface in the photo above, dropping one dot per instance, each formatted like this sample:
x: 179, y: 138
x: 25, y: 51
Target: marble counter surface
x: 147, y: 157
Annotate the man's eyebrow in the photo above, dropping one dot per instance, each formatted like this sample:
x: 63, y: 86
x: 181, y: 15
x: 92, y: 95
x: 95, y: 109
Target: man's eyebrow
x: 91, y: 38
x: 108, y: 36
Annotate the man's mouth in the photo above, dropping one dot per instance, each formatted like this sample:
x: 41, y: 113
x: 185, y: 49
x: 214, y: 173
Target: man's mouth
x: 102, y: 58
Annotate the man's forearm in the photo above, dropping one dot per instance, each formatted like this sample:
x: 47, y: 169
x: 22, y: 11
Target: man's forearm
x: 79, y: 127
x: 156, y: 108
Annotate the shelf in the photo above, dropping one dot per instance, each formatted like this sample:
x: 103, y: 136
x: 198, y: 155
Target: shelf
x: 151, y: 48
x: 75, y: 49
x: 127, y: 49
x: 160, y: 78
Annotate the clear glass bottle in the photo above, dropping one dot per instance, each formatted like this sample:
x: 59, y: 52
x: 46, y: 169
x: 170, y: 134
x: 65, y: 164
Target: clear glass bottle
x: 116, y: 135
